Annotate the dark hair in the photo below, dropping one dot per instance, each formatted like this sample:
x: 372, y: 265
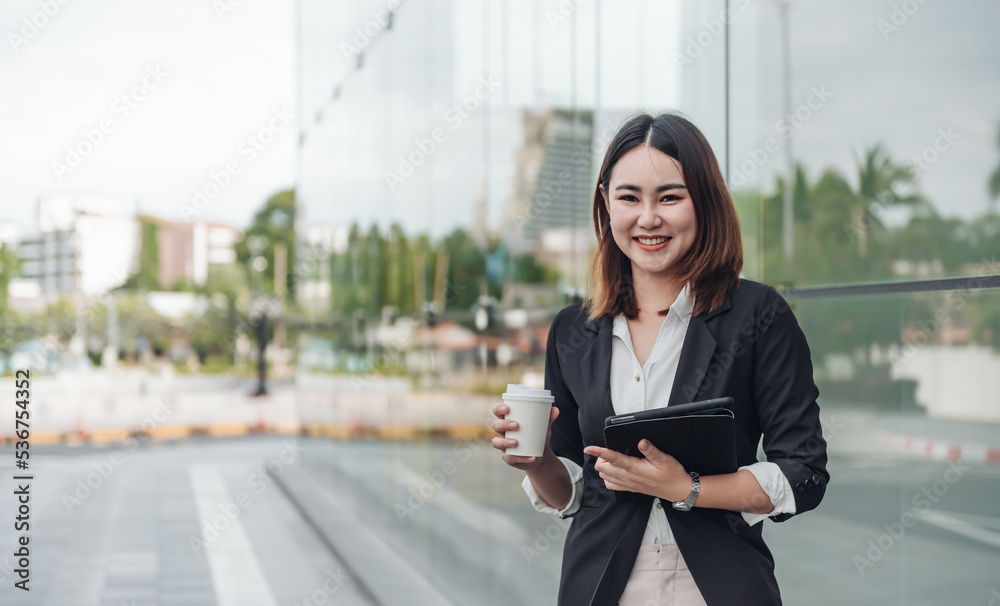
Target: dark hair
x: 713, y: 263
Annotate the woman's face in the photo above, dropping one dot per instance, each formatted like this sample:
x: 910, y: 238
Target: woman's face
x: 648, y: 200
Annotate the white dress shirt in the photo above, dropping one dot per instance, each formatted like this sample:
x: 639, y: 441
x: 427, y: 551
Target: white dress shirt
x: 637, y: 387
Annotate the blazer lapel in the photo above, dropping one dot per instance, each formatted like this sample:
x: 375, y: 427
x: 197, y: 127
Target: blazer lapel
x: 696, y: 356
x: 595, y: 366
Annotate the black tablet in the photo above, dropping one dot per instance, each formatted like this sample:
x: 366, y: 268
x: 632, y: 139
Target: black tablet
x: 703, y: 407
x: 700, y: 435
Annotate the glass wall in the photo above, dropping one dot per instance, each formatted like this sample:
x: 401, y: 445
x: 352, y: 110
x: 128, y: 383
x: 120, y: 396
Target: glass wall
x: 447, y: 165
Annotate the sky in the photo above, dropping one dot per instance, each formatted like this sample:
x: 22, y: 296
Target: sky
x: 206, y: 89
x: 203, y: 87
x: 864, y: 73
x: 910, y: 81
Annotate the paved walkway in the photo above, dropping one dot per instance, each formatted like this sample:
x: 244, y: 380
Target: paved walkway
x: 197, y: 524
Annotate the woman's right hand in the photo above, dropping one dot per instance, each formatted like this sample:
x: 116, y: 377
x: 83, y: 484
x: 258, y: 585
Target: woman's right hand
x: 501, y: 425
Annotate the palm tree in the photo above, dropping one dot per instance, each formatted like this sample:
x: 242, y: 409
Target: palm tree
x: 881, y: 183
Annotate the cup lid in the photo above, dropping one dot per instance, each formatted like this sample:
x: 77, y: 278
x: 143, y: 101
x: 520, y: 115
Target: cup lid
x: 516, y: 391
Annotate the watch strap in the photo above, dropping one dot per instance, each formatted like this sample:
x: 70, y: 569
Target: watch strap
x: 688, y: 503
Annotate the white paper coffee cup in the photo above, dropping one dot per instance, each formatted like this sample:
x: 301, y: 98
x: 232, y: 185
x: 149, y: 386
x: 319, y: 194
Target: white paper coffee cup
x: 529, y: 407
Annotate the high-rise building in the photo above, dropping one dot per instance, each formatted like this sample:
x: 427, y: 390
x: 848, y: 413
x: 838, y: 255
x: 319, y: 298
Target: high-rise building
x: 553, y: 184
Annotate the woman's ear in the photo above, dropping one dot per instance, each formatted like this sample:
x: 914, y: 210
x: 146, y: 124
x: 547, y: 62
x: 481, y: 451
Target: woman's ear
x: 604, y: 194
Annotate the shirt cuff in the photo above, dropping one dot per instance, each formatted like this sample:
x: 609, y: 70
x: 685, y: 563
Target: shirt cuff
x: 576, y: 479
x: 776, y: 486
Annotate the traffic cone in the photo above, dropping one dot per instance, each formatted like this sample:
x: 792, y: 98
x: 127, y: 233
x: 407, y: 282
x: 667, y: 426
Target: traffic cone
x: 79, y: 431
x: 261, y: 425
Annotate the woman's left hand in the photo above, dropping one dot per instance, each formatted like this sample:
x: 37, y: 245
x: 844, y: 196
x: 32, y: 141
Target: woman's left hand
x: 659, y: 474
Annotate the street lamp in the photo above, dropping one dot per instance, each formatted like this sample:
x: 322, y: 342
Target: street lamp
x: 258, y: 311
x: 485, y: 318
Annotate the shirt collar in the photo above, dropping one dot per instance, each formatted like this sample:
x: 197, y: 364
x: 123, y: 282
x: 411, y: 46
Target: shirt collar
x: 682, y: 308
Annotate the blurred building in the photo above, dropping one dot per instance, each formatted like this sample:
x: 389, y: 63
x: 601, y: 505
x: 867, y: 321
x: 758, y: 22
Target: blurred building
x: 552, y: 178
x: 188, y: 250
x: 86, y: 244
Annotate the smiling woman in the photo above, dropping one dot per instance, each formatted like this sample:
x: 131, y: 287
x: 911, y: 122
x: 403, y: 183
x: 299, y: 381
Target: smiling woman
x: 660, y: 180
x: 670, y: 322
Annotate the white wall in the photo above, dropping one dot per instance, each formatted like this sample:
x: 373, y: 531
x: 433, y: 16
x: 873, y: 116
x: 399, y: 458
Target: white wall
x: 108, y: 249
x: 954, y: 382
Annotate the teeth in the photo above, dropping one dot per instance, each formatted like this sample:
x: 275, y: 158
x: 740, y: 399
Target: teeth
x: 651, y: 242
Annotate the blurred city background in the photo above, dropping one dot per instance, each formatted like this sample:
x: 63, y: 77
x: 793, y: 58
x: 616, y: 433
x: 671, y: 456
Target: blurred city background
x: 270, y: 264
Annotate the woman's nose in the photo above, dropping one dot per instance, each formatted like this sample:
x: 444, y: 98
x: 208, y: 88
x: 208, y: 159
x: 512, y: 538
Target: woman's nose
x: 648, y: 217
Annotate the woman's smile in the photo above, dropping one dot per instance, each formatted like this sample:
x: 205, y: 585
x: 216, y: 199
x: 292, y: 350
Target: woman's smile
x: 653, y: 244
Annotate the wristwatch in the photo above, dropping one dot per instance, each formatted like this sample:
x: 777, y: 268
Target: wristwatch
x: 687, y: 504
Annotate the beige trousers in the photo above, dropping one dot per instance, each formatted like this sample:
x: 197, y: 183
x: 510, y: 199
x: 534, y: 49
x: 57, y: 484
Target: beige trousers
x: 660, y: 577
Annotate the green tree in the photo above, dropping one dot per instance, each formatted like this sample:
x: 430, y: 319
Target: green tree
x: 880, y: 181
x: 147, y: 276
x: 275, y: 221
x: 10, y: 266
x: 993, y: 185
x: 466, y: 270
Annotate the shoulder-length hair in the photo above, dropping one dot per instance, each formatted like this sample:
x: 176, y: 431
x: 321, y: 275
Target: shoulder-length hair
x: 713, y: 263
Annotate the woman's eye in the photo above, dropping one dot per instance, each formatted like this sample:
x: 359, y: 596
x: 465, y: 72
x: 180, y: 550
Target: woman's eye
x: 631, y: 198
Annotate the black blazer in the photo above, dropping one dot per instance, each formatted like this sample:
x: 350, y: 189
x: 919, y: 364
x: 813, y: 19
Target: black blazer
x: 751, y: 349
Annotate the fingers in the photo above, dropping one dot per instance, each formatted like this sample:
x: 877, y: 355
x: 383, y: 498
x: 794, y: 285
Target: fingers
x: 500, y: 409
x: 611, y: 456
x: 503, y: 425
x: 504, y: 443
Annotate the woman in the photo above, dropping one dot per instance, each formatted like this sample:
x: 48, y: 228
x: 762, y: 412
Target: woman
x: 669, y: 322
